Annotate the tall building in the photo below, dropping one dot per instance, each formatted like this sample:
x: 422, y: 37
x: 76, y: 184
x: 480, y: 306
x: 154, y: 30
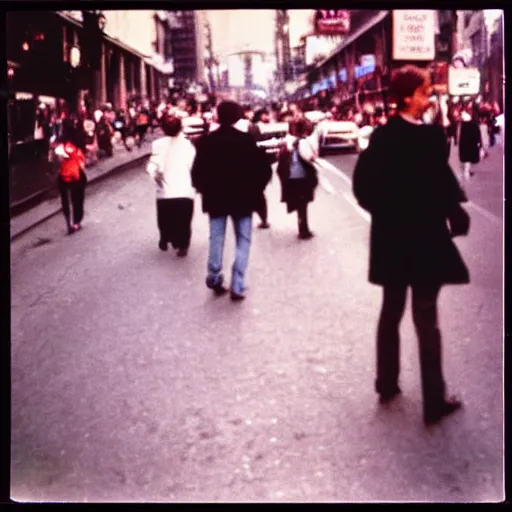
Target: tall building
x: 187, y: 47
x: 481, y: 32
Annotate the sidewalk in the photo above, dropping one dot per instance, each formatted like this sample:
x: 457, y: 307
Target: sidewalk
x: 48, y: 208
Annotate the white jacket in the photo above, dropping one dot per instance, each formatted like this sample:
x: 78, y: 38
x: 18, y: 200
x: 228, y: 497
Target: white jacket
x: 172, y: 158
x: 307, y: 147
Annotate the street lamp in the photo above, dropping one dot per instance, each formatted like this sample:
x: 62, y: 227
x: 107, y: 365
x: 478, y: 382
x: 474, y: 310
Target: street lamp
x: 74, y: 57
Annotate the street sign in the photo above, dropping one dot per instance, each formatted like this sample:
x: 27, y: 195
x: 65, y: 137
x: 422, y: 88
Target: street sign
x: 414, y: 35
x: 463, y: 81
x: 332, y: 21
x: 368, y: 61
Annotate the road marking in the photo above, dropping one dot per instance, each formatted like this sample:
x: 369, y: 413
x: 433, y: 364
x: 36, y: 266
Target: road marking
x: 332, y: 168
x: 326, y: 185
x: 324, y: 164
x: 366, y: 216
x: 484, y: 213
x: 338, y: 172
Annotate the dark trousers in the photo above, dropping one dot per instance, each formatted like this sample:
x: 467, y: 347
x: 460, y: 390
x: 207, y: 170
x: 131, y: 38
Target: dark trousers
x: 302, y: 218
x: 174, y: 217
x: 123, y: 138
x: 262, y: 209
x: 75, y: 190
x: 424, y: 313
x: 140, y: 133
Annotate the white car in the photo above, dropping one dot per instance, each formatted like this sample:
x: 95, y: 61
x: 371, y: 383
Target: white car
x: 272, y: 137
x: 315, y: 116
x: 338, y: 135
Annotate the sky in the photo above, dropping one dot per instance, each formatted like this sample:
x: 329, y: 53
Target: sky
x: 238, y: 30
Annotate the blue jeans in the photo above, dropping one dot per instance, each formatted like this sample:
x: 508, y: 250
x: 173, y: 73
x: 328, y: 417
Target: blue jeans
x: 243, y: 229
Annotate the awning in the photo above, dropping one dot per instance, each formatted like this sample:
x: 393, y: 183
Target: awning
x: 358, y: 33
x: 166, y: 68
x: 106, y: 37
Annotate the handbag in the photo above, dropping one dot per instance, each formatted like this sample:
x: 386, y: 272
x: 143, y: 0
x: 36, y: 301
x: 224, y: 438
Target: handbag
x: 459, y: 221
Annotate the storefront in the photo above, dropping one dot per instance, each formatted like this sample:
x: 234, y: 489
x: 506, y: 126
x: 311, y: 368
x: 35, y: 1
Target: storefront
x: 360, y: 64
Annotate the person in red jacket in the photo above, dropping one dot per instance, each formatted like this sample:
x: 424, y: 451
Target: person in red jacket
x: 72, y: 179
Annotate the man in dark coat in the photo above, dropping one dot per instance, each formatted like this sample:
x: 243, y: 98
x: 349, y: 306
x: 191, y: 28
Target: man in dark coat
x: 231, y: 173
x: 404, y: 180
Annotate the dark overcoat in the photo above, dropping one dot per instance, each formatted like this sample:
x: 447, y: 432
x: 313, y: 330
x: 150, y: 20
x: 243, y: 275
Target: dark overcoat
x: 470, y: 142
x: 230, y: 172
x: 404, y: 180
x: 289, y: 192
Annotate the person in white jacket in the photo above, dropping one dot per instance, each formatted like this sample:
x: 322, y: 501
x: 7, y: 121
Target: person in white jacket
x: 297, y: 173
x: 170, y: 166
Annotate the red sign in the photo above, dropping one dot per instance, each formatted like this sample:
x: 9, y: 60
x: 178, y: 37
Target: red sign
x: 332, y: 21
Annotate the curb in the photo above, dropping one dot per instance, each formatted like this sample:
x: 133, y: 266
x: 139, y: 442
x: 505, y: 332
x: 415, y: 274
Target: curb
x: 58, y: 209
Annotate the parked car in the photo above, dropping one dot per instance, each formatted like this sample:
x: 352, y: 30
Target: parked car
x: 272, y: 138
x: 337, y: 135
x: 315, y: 116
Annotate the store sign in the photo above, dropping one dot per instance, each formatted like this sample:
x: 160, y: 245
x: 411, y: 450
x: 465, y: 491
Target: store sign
x: 364, y: 70
x: 414, y: 35
x: 368, y: 61
x: 332, y: 21
x: 320, y: 86
x: 463, y: 81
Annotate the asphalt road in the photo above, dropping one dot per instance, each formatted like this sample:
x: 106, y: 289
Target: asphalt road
x: 131, y: 382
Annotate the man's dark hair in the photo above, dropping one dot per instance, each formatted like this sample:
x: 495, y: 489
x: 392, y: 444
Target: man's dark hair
x: 404, y: 82
x: 299, y: 128
x: 259, y: 114
x: 228, y: 113
x: 171, y: 125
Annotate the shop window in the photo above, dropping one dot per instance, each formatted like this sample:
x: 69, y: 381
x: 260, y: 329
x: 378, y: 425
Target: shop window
x: 21, y: 120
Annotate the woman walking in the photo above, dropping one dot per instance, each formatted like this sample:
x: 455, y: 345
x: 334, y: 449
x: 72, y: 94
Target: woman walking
x: 470, y: 143
x: 297, y: 174
x: 405, y: 182
x: 72, y: 179
x: 170, y: 166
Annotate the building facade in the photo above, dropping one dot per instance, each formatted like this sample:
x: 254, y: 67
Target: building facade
x: 481, y: 32
x: 187, y: 47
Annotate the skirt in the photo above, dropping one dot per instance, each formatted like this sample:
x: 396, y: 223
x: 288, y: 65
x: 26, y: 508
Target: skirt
x: 174, y: 218
x: 299, y: 192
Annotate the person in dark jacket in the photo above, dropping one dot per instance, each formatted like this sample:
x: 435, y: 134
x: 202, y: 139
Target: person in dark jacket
x: 470, y: 143
x: 231, y: 173
x: 405, y: 182
x: 254, y: 130
x: 297, y: 174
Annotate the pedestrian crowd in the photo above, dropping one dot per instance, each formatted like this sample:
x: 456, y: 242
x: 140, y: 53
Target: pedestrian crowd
x: 403, y: 179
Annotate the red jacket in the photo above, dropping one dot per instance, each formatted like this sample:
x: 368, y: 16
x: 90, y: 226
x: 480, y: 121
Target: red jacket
x: 71, y: 166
